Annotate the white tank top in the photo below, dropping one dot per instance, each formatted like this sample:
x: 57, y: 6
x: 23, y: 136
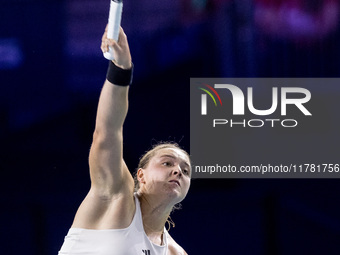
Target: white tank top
x: 128, y: 241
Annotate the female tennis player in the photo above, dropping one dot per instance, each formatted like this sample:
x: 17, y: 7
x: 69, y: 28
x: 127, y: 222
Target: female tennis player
x: 114, y: 218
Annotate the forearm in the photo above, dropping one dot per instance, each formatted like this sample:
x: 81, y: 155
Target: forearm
x: 112, y: 108
x: 113, y: 101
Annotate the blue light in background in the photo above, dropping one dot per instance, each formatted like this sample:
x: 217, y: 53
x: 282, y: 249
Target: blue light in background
x: 11, y: 55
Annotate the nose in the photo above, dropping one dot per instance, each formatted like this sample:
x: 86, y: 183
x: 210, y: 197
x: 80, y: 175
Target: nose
x: 177, y: 171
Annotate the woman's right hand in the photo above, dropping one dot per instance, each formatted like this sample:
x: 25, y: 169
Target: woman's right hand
x: 122, y: 56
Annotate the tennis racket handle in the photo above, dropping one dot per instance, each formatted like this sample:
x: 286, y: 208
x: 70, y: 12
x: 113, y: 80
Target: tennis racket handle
x: 115, y: 16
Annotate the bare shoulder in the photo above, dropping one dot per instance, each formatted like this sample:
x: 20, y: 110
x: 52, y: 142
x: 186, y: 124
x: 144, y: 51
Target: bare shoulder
x: 175, y: 248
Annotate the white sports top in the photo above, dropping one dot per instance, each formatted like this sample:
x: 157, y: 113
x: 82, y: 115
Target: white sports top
x: 128, y: 241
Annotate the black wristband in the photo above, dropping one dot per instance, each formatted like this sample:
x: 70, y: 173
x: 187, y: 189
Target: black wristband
x: 119, y: 76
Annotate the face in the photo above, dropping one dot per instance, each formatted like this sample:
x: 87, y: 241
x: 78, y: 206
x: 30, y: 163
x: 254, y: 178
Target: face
x: 168, y: 172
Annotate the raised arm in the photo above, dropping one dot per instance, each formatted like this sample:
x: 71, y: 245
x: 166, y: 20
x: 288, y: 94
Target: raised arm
x: 111, y: 193
x: 109, y: 174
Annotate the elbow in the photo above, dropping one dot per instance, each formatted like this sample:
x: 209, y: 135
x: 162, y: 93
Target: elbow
x: 102, y: 137
x: 97, y: 136
x: 106, y: 129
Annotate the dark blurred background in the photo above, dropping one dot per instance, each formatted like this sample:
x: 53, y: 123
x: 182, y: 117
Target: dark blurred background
x: 51, y: 73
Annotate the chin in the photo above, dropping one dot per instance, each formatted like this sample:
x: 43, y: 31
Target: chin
x: 176, y: 196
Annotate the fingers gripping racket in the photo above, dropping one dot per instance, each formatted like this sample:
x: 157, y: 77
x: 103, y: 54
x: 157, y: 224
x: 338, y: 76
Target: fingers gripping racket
x: 115, y: 16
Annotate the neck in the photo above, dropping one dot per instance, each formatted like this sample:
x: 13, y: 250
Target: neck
x: 155, y: 212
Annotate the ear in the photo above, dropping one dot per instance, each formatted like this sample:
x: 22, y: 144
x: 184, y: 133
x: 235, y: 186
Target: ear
x: 140, y: 175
